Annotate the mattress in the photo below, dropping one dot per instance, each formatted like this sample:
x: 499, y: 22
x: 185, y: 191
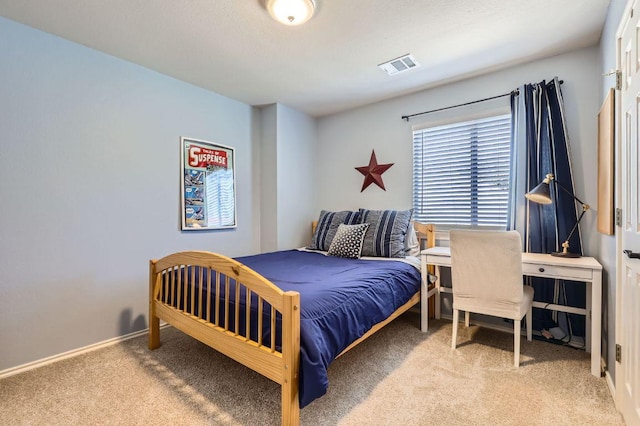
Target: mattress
x: 340, y: 299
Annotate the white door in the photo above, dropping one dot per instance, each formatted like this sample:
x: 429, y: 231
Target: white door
x: 627, y: 372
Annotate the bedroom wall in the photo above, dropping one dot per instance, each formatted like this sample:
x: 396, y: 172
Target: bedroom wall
x: 345, y: 140
x: 269, y: 179
x: 296, y: 146
x: 89, y: 183
x: 288, y: 144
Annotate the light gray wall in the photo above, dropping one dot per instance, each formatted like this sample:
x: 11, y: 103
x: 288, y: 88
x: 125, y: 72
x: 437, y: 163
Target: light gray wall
x: 607, y: 253
x: 269, y: 179
x: 288, y: 145
x: 296, y: 146
x: 89, y: 189
x: 345, y: 140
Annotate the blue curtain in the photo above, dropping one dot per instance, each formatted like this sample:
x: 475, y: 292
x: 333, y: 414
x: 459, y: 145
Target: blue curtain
x: 541, y: 146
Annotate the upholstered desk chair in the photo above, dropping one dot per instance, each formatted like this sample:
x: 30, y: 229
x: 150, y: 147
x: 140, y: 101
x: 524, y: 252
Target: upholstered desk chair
x: 486, y: 275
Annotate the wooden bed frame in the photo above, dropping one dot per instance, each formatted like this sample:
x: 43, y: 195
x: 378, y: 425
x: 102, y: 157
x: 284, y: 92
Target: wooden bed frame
x: 201, y: 319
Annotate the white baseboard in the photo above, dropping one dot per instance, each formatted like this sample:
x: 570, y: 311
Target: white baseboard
x: 612, y: 386
x: 70, y: 354
x: 608, y: 379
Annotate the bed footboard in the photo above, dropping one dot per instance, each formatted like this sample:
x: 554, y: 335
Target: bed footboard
x: 234, y: 310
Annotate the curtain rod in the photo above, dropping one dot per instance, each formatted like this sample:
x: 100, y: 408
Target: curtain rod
x: 407, y: 117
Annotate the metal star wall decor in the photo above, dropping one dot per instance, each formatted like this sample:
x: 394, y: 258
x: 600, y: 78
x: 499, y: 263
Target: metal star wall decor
x: 373, y: 172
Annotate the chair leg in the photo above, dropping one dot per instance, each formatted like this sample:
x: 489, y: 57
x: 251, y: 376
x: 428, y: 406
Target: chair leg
x: 516, y: 343
x: 466, y: 318
x: 529, y: 320
x: 454, y: 330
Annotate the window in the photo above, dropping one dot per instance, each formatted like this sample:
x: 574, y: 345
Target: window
x: 461, y: 173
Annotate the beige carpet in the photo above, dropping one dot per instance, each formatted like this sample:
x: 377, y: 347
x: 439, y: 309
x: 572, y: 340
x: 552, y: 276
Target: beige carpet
x: 399, y: 376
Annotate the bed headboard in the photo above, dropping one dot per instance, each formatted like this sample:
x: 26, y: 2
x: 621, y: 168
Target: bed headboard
x: 426, y: 233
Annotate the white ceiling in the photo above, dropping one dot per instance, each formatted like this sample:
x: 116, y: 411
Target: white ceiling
x: 234, y: 48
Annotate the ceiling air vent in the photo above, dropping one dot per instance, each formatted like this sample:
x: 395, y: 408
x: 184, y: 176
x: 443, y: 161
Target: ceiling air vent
x: 403, y: 63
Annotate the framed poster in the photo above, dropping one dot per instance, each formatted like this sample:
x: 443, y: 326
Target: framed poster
x: 207, y: 185
x: 606, y: 125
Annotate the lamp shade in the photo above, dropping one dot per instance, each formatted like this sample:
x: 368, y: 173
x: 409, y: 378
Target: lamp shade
x: 540, y: 194
x: 291, y: 12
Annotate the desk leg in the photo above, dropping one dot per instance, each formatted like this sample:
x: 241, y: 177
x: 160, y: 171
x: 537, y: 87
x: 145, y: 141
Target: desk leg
x: 424, y: 309
x: 588, y: 329
x: 424, y: 296
x: 437, y: 295
x: 594, y: 310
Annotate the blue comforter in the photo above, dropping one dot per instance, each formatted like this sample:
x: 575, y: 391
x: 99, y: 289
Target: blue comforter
x: 341, y: 299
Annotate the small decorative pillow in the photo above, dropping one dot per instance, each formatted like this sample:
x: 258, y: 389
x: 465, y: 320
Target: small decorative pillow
x: 348, y: 241
x: 328, y: 225
x: 386, y: 235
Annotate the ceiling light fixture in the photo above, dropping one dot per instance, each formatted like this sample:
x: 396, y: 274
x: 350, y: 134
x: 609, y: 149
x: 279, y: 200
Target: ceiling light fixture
x: 291, y: 12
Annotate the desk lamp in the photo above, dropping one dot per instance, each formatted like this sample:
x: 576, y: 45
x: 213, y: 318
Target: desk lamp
x: 542, y: 195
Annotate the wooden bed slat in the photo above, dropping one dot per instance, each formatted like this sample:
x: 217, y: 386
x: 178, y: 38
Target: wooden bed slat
x: 193, y: 272
x: 273, y: 327
x: 172, y: 284
x: 226, y: 302
x: 179, y: 284
x: 217, y: 311
x: 260, y: 310
x: 200, y: 292
x: 236, y: 317
x: 165, y: 287
x: 247, y: 320
x: 210, y: 277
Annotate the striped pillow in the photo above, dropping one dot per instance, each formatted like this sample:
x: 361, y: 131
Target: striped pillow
x: 328, y: 223
x: 386, y: 234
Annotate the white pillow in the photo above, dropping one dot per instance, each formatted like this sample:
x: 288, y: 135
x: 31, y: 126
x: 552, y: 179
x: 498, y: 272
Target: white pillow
x: 411, y: 242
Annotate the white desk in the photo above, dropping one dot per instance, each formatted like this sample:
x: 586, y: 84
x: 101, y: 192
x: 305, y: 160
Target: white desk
x: 583, y: 269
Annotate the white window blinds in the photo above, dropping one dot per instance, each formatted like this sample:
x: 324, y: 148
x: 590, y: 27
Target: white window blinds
x: 461, y: 173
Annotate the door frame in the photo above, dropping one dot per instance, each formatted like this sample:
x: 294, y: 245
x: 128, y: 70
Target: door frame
x: 618, y: 194
x: 619, y: 230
